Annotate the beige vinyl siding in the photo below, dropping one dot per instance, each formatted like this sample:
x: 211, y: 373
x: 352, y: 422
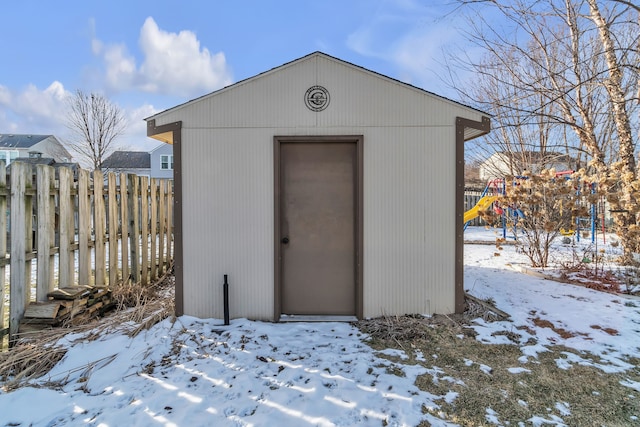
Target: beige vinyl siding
x: 228, y: 222
x: 409, y: 222
x: 409, y: 186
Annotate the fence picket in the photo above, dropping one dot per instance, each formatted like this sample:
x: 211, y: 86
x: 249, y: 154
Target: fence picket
x: 113, y: 228
x: 84, y: 228
x: 169, y: 216
x: 153, y: 190
x: 28, y: 233
x: 124, y: 226
x: 99, y: 219
x: 134, y: 226
x: 66, y: 255
x: 161, y: 226
x: 3, y: 245
x: 45, y: 232
x: 144, y: 228
x: 18, y: 297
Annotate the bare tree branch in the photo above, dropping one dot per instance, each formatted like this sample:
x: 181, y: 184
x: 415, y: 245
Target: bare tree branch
x: 560, y: 75
x: 95, y: 124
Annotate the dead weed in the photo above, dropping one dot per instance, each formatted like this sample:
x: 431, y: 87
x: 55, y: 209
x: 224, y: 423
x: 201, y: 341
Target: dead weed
x: 138, y: 309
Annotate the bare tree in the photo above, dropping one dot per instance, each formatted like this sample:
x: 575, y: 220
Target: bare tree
x: 95, y: 124
x: 563, y: 65
x: 520, y: 141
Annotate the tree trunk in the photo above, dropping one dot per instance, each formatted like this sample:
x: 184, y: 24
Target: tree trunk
x: 623, y: 124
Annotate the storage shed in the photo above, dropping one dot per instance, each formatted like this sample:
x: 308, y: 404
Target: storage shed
x: 323, y: 190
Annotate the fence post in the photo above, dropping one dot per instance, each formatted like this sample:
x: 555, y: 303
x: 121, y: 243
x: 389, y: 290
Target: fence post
x: 18, y: 289
x: 45, y: 235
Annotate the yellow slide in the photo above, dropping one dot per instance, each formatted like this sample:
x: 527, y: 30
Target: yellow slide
x: 482, y: 205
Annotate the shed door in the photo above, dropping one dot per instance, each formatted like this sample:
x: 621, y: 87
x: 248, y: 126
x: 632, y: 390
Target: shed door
x: 318, y: 228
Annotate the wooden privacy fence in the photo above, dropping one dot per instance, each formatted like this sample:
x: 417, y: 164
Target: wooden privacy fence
x: 74, y: 230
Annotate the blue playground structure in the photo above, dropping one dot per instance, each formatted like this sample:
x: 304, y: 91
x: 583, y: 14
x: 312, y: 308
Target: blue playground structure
x: 497, y: 187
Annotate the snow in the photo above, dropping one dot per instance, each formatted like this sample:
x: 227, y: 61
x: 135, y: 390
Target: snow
x: 492, y: 416
x: 200, y: 372
x: 631, y: 384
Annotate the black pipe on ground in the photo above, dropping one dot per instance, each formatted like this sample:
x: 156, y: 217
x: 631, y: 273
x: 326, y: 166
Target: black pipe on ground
x: 225, y: 288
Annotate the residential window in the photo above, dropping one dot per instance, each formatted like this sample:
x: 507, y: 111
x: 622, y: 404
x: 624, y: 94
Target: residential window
x: 8, y: 156
x: 166, y: 161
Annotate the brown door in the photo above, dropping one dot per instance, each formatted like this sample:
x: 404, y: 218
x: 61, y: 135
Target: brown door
x: 317, y: 224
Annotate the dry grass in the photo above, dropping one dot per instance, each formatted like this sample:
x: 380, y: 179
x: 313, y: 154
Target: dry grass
x: 138, y: 308
x: 593, y: 397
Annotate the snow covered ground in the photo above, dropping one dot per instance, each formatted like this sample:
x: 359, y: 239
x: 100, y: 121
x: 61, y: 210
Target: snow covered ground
x: 198, y: 372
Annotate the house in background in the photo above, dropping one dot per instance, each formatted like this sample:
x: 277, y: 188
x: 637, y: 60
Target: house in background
x: 158, y: 163
x: 131, y: 162
x: 504, y: 163
x: 162, y: 161
x: 32, y: 146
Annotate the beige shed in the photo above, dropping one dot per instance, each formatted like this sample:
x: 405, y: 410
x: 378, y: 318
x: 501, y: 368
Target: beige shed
x: 323, y: 190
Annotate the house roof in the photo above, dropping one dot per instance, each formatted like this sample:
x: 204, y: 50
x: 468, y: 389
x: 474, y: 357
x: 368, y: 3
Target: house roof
x: 534, y: 156
x: 307, y: 57
x: 128, y: 160
x: 21, y: 141
x: 162, y: 146
x: 35, y: 161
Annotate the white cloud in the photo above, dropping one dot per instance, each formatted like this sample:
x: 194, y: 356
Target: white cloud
x: 173, y: 64
x: 177, y: 59
x: 7, y: 125
x: 419, y: 53
x: 121, y: 67
x: 44, y: 111
x: 34, y: 110
x: 135, y: 137
x: 5, y: 95
x: 409, y: 35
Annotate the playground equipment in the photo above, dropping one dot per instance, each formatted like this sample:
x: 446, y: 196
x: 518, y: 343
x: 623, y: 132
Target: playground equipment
x: 567, y: 233
x: 496, y: 187
x: 489, y: 195
x: 483, y: 204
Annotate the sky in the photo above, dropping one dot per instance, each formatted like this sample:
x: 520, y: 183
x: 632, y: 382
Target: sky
x: 148, y: 56
x: 199, y: 372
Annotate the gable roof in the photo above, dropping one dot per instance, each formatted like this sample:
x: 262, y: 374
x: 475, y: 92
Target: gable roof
x: 128, y: 160
x: 162, y: 146
x: 305, y: 58
x: 21, y: 141
x: 48, y: 161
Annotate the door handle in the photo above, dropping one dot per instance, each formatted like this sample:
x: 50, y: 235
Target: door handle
x: 285, y: 240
